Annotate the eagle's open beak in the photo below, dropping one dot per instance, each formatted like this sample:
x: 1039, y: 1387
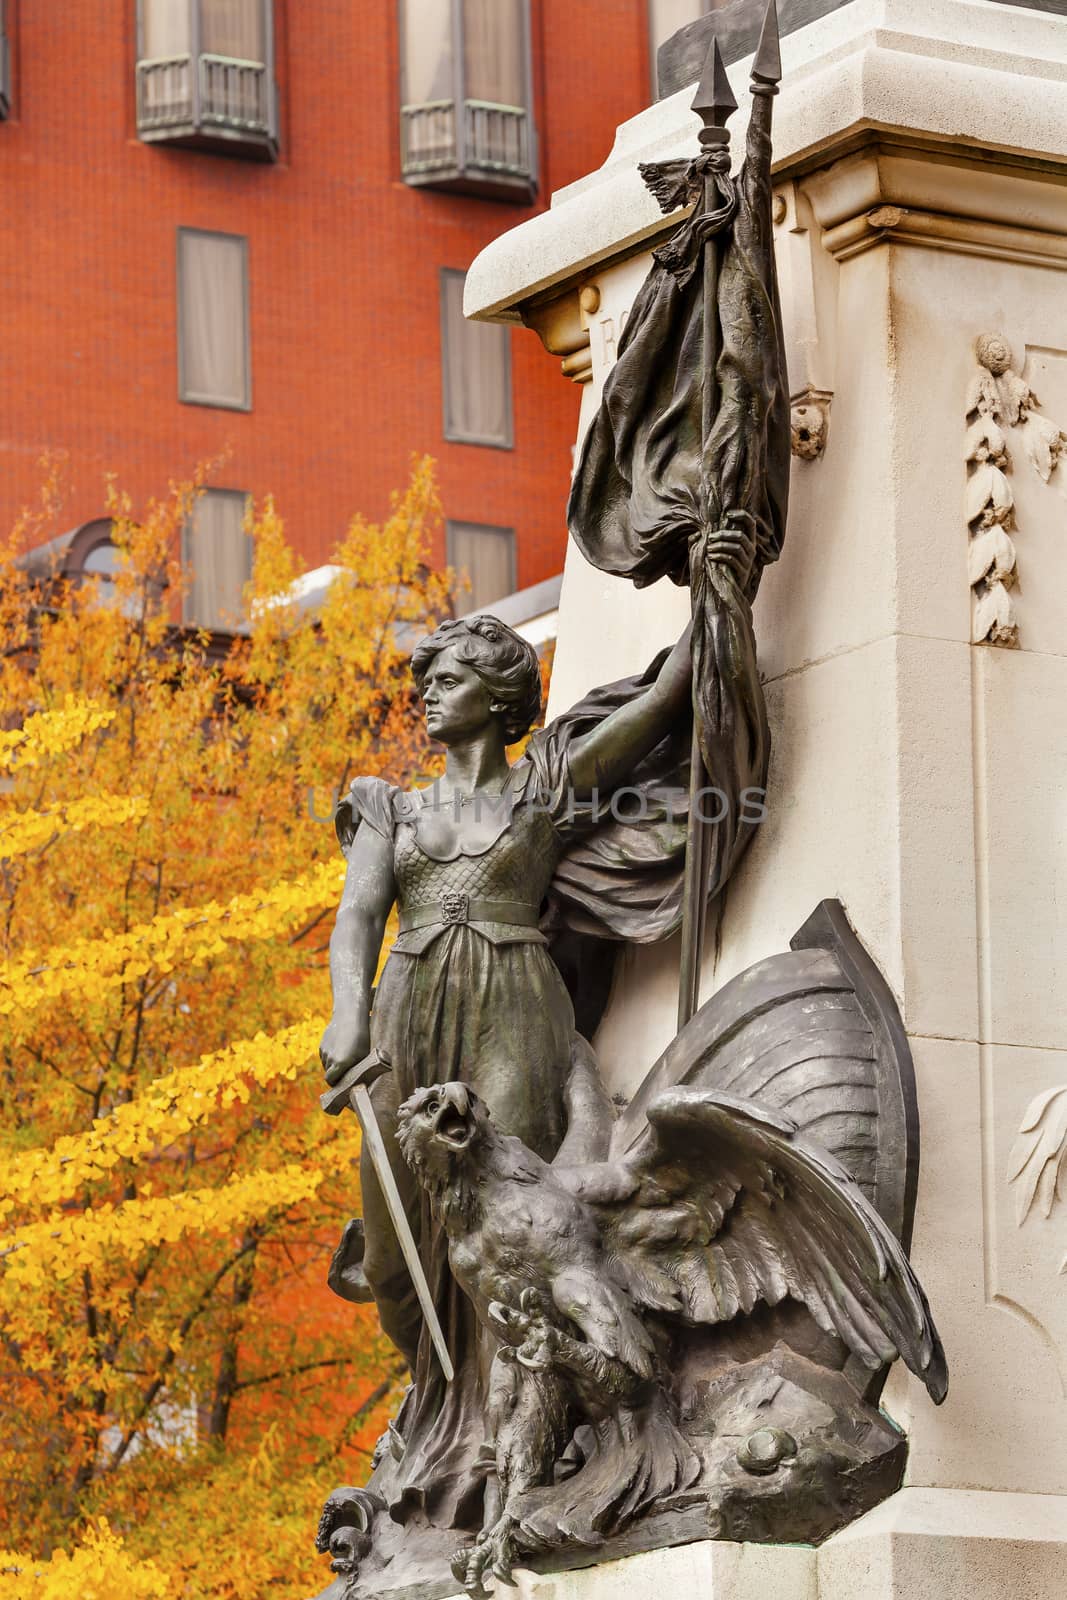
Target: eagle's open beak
x: 452, y: 1124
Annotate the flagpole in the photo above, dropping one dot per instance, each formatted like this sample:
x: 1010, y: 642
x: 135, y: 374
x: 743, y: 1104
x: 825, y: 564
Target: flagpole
x: 714, y: 103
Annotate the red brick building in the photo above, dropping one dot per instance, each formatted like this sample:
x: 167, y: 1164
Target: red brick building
x: 241, y: 226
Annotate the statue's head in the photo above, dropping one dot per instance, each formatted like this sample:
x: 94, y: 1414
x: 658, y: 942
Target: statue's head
x: 437, y: 1130
x: 475, y: 673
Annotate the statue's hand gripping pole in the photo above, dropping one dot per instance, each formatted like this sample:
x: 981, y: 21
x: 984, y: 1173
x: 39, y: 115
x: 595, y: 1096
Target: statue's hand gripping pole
x: 354, y: 1090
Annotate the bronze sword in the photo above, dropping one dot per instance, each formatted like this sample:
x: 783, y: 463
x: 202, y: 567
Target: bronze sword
x: 353, y: 1089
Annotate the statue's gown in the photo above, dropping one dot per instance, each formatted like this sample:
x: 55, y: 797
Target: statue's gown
x: 480, y: 999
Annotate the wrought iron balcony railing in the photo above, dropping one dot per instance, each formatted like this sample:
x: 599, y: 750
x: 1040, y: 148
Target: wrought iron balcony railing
x: 486, y: 149
x: 208, y: 101
x: 428, y: 139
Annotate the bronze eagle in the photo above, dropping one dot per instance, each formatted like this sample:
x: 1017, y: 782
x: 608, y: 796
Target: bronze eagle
x: 579, y: 1271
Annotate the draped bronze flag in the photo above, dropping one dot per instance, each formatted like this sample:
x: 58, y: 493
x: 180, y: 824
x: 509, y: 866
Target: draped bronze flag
x: 656, y: 478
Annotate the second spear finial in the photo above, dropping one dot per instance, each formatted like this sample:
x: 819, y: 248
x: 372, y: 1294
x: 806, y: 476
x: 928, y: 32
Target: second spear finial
x: 767, y: 62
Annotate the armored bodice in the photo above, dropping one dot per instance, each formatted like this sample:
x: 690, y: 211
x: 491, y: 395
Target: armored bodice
x: 489, y: 868
x: 517, y: 867
x: 495, y: 885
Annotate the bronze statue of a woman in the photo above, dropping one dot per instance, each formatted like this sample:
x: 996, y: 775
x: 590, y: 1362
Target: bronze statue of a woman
x: 470, y: 990
x: 593, y: 1285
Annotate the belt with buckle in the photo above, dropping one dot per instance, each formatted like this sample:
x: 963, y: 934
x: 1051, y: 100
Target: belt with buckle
x: 454, y: 909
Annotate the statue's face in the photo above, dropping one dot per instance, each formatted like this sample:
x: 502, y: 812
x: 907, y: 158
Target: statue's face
x: 456, y: 700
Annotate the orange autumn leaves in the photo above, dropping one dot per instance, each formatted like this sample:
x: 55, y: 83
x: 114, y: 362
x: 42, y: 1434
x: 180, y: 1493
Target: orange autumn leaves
x: 169, y: 1190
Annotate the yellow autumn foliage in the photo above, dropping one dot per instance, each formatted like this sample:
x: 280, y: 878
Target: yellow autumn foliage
x: 165, y: 1110
x: 29, y: 830
x: 51, y: 733
x: 192, y: 935
x: 99, y: 1568
x: 170, y: 1357
x: 66, y: 1244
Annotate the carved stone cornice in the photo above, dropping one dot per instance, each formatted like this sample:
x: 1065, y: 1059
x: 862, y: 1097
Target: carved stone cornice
x: 921, y: 100
x: 935, y: 231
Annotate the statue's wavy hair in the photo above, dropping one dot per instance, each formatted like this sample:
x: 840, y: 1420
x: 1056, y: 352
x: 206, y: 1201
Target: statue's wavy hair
x: 505, y: 663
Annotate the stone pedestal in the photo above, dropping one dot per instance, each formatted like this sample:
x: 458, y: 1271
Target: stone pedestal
x: 921, y: 155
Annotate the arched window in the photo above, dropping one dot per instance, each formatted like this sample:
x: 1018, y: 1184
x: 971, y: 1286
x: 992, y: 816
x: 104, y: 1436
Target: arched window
x: 86, y: 552
x: 91, y: 554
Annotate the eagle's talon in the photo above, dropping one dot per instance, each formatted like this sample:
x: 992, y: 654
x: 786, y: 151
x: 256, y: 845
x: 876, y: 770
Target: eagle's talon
x: 458, y: 1562
x: 493, y: 1551
x: 467, y: 1570
x: 473, y: 1582
x: 540, y: 1343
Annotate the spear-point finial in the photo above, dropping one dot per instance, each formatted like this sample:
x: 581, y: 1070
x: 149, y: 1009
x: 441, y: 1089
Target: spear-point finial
x: 767, y: 62
x: 714, y: 100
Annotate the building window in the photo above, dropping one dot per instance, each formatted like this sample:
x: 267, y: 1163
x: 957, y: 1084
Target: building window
x: 466, y: 122
x: 484, y: 557
x: 475, y: 372
x: 5, y: 64
x: 205, y: 75
x: 214, y: 357
x: 102, y: 562
x: 217, y: 555
x: 87, y: 552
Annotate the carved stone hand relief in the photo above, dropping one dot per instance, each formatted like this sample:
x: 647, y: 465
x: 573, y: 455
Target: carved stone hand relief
x: 1038, y: 1162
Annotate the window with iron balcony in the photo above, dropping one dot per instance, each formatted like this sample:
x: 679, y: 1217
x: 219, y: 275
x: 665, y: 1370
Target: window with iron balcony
x: 205, y: 75
x: 466, y: 120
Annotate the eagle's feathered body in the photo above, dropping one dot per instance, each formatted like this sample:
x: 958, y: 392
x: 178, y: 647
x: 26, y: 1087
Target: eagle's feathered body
x: 515, y: 1228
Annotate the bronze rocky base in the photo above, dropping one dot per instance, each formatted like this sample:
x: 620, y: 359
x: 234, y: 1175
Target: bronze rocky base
x: 789, y: 1454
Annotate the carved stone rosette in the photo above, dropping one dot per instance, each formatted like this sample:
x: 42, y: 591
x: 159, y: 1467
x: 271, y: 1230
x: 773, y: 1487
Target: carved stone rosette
x: 1000, y: 400
x: 809, y: 422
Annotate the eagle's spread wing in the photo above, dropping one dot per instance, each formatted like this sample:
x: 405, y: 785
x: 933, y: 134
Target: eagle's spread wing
x: 722, y: 1204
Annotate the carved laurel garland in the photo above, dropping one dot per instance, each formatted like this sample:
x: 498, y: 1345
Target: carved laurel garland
x: 997, y: 401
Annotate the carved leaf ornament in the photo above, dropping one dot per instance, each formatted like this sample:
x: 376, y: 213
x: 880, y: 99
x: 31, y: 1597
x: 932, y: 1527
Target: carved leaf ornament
x: 1038, y: 1162
x: 992, y: 552
x: 1000, y: 398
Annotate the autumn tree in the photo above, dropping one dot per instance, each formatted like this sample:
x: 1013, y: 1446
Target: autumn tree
x: 170, y: 1359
